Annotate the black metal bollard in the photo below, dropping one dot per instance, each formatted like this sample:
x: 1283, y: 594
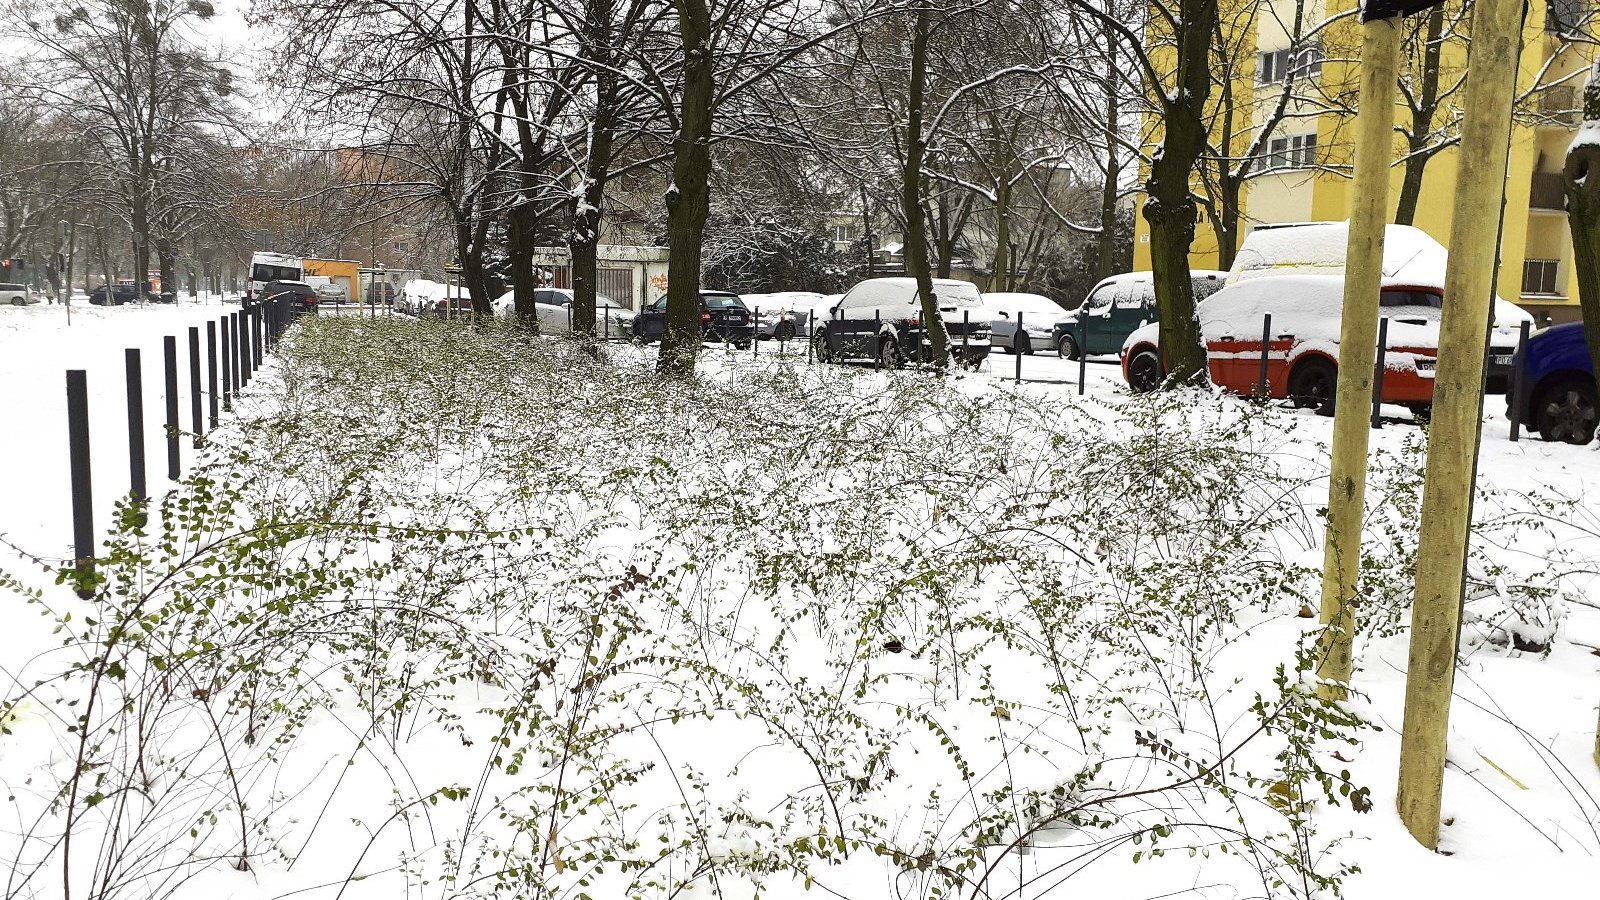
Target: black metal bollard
x: 211, y: 374
x: 83, y: 545
x: 136, y: 462
x: 755, y: 338
x: 196, y: 389
x: 966, y: 332
x: 1377, y: 372
x: 1016, y: 346
x: 1515, y: 385
x: 227, y: 364
x: 238, y: 353
x: 835, y: 338
x: 1262, y: 390
x: 169, y: 354
x: 877, y: 339
x: 246, y: 357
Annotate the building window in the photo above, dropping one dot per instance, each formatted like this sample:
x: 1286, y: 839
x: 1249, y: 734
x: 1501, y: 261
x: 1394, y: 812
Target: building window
x: 844, y: 234
x: 1539, y: 276
x: 1294, y: 152
x: 1284, y: 65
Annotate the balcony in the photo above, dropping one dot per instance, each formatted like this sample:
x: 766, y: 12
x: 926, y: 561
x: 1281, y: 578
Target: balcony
x: 1547, y: 191
x: 1558, y: 106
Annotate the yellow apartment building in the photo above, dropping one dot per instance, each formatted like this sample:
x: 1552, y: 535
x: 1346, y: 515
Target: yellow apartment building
x: 1303, y: 170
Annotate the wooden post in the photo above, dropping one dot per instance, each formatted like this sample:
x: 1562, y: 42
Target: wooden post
x: 1363, y: 277
x: 1457, y: 414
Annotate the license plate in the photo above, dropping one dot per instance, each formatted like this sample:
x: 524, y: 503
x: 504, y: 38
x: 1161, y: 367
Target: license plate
x: 1503, y: 359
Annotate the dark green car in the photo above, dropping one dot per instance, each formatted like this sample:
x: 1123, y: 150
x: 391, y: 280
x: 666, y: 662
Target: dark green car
x: 1116, y: 308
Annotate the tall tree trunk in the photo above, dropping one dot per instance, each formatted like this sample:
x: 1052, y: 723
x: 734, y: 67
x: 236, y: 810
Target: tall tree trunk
x: 1582, y: 171
x: 166, y: 261
x: 141, y: 247
x: 522, y: 223
x: 1169, y: 206
x: 1425, y: 106
x: 1002, y: 234
x: 916, y: 249
x: 689, y: 197
x: 1229, y: 192
x: 588, y: 202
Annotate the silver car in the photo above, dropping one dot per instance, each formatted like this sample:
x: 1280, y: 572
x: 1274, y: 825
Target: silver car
x: 1038, y: 313
x: 17, y: 294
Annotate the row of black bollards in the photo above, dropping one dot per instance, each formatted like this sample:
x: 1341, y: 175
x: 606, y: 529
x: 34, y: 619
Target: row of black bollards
x: 237, y: 340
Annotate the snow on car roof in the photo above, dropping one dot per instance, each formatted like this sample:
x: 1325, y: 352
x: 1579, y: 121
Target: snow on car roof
x: 1410, y: 255
x: 1012, y: 301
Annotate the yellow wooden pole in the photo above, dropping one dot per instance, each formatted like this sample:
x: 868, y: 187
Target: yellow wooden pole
x: 1457, y: 413
x: 1358, y: 340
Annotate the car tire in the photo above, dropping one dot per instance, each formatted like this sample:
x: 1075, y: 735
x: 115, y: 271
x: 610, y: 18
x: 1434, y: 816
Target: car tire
x: 1422, y: 411
x: 889, y: 355
x: 1314, y: 385
x: 741, y: 345
x: 1068, y: 347
x: 784, y: 331
x: 1022, y: 344
x: 18, y: 301
x: 1144, y: 371
x: 819, y: 346
x: 1566, y: 411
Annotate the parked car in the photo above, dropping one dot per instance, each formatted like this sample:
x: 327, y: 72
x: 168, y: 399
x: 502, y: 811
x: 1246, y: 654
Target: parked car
x: 452, y: 305
x: 17, y: 294
x: 302, y: 297
x: 723, y: 319
x: 1411, y: 259
x: 553, y: 309
x: 1555, y: 385
x: 1303, y: 355
x: 118, y: 295
x: 1116, y: 307
x: 881, y: 318
x: 785, y: 315
x: 1039, y: 316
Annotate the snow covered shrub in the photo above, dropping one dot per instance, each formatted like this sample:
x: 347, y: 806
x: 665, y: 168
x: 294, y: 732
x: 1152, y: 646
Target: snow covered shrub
x: 537, y: 624
x: 1517, y: 568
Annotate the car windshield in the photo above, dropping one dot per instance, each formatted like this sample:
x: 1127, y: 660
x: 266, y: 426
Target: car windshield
x: 956, y: 295
x: 1205, y: 287
x: 268, y: 272
x: 721, y: 301
x: 607, y: 303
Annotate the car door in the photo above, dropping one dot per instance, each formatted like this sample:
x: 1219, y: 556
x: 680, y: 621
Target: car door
x: 652, y: 321
x: 1097, y: 318
x: 840, y: 320
x: 1129, y: 310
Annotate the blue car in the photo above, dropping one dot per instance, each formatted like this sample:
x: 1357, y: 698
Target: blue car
x: 1555, y: 386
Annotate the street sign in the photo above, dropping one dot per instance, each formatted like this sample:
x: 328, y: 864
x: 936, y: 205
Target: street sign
x: 1373, y: 10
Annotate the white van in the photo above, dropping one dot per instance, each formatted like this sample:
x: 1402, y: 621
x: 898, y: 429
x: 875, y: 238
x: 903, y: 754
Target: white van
x: 881, y: 318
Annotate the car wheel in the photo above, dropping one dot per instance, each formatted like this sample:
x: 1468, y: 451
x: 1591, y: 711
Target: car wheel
x: 1566, y: 411
x: 889, y: 355
x: 741, y: 345
x: 1144, y: 371
x: 1313, y: 385
x: 1022, y: 344
x: 17, y: 301
x: 1422, y: 411
x: 1067, y: 347
x: 784, y: 331
x: 819, y: 346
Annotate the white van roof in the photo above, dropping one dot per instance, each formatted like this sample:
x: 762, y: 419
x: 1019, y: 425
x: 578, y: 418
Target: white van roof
x: 1411, y: 257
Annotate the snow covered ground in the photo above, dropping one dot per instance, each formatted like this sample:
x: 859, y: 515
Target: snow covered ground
x: 803, y: 627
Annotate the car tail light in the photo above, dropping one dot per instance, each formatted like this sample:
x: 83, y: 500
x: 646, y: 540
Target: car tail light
x: 705, y: 317
x: 911, y: 323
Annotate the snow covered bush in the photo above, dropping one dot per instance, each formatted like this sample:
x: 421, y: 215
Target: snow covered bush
x: 1518, y: 572
x: 463, y: 613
